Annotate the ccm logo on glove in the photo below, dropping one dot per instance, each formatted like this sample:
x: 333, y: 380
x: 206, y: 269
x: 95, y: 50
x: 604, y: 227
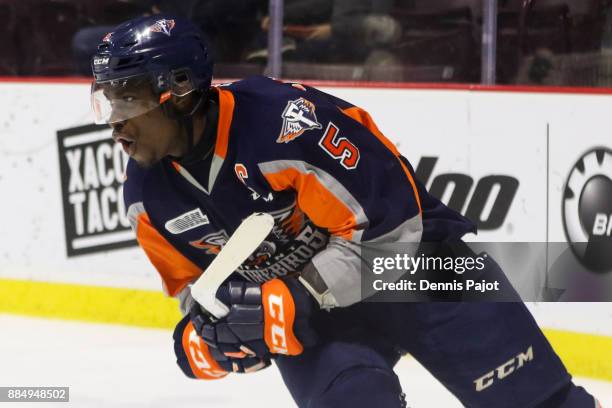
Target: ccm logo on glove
x: 202, y: 364
x: 279, y: 315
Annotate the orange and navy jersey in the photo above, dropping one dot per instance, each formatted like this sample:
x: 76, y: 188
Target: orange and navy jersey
x: 319, y: 165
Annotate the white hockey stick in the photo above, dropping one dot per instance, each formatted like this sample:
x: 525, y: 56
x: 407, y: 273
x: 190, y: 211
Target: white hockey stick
x: 243, y: 242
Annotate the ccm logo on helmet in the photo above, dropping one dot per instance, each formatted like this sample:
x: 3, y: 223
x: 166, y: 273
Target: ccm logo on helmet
x: 504, y: 370
x: 101, y: 61
x: 277, y: 326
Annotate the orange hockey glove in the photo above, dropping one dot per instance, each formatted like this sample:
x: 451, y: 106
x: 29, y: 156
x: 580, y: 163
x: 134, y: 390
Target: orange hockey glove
x: 264, y: 320
x: 197, y: 361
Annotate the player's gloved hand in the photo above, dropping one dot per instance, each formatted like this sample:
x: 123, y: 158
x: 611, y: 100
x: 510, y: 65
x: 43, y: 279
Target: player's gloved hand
x: 272, y: 318
x: 192, y: 354
x: 195, y: 359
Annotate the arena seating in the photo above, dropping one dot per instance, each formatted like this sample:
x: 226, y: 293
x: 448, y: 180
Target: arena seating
x: 9, y: 51
x: 45, y: 30
x: 443, y: 34
x: 440, y: 38
x: 559, y: 26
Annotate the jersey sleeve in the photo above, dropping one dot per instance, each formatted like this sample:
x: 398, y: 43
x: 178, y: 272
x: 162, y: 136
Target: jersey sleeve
x: 349, y: 179
x: 175, y: 269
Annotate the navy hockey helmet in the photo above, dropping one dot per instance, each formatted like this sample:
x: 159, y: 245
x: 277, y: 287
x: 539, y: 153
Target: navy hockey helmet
x: 166, y: 54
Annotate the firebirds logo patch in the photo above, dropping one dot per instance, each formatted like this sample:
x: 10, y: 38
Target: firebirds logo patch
x: 162, y: 26
x: 298, y: 117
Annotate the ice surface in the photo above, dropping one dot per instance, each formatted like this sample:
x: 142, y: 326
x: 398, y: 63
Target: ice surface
x: 117, y: 366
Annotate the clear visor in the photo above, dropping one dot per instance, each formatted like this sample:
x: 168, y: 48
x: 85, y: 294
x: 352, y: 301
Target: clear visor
x: 123, y: 99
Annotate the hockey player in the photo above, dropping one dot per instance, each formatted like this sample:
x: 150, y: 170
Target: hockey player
x: 203, y: 158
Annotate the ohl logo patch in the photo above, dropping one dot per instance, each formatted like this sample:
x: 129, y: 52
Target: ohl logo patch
x: 162, y: 26
x: 298, y: 117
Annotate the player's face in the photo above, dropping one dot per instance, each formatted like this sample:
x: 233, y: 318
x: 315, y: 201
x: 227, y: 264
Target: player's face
x: 150, y: 136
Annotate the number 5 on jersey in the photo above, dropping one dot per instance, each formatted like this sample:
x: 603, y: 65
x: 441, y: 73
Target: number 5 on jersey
x: 340, y: 148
